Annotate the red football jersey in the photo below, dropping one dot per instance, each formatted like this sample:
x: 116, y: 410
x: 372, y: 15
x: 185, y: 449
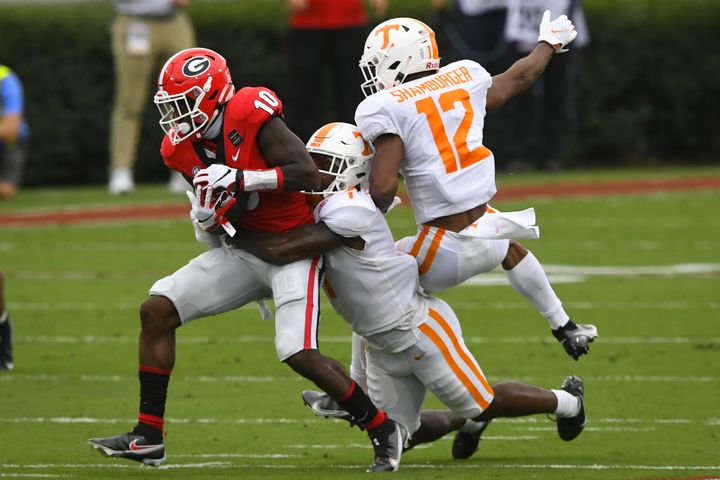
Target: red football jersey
x: 245, y: 114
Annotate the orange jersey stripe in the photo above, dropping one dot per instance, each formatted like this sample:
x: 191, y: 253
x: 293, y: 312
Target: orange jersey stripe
x: 432, y: 251
x: 427, y: 330
x: 461, y: 351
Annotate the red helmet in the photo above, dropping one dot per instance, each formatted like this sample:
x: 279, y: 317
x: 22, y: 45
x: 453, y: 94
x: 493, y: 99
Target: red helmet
x: 192, y: 86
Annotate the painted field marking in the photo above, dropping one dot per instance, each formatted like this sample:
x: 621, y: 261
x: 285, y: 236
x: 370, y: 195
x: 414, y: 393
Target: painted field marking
x: 43, y: 377
x: 92, y: 339
x: 531, y: 421
x: 459, y: 305
x: 235, y: 455
x: 573, y: 273
x: 556, y: 273
x: 404, y: 466
x: 31, y: 475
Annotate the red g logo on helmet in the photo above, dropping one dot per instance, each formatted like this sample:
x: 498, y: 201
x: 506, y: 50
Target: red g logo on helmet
x: 196, y: 66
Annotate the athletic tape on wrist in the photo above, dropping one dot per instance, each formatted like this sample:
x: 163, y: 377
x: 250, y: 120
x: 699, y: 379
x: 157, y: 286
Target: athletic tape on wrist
x: 269, y: 179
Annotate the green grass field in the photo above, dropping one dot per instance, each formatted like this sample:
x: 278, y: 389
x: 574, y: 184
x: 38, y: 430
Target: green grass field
x: 652, y: 380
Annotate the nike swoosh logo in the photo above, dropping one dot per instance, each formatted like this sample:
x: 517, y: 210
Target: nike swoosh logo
x: 418, y: 357
x: 139, y: 448
x: 235, y: 157
x: 224, y: 175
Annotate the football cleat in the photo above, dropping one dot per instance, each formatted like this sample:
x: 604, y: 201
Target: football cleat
x: 570, y: 427
x: 465, y: 444
x: 387, y: 441
x: 132, y: 447
x: 323, y: 405
x: 575, y: 338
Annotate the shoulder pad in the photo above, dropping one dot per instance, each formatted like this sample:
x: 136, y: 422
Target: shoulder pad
x: 372, y: 119
x: 254, y: 105
x: 349, y: 213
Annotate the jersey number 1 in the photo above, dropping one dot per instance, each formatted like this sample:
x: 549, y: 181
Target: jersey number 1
x: 447, y: 102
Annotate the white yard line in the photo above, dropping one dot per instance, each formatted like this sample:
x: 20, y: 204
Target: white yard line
x: 535, y: 423
x: 404, y: 466
x: 556, y: 273
x: 30, y: 475
x: 16, y: 377
x: 472, y: 340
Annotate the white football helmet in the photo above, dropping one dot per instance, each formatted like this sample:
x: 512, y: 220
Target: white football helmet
x: 345, y: 153
x: 395, y: 49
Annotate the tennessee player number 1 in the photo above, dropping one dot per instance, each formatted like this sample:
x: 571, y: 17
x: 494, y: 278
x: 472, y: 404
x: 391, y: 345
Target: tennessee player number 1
x: 268, y: 102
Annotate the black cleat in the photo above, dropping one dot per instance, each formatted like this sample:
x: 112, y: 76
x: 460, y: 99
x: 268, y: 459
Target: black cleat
x: 571, y: 427
x: 465, y: 444
x: 575, y: 338
x: 323, y: 405
x: 387, y: 441
x: 132, y: 447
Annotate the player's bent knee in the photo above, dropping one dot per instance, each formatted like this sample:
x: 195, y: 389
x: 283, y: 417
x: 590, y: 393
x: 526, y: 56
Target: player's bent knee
x: 158, y: 314
x: 515, y: 254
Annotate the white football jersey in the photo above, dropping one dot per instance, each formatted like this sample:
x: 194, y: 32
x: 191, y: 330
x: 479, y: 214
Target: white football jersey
x: 440, y: 119
x: 375, y: 290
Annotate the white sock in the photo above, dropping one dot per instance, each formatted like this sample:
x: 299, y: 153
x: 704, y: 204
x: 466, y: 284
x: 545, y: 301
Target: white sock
x: 568, y: 405
x: 529, y: 279
x: 3, y: 317
x: 471, y: 426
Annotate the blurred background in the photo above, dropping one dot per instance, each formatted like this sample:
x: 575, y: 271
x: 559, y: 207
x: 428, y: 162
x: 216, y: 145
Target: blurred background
x: 646, y: 90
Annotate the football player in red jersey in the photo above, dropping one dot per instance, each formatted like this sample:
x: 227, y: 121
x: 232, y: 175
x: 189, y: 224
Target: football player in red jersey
x: 235, y: 147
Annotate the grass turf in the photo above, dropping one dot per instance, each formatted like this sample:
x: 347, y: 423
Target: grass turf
x: 652, y: 380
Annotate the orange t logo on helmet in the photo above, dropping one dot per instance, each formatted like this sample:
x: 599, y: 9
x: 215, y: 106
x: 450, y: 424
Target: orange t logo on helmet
x: 386, y: 33
x: 322, y: 134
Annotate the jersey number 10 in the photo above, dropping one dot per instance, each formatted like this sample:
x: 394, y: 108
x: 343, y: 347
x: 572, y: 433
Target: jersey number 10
x: 464, y: 156
x: 268, y: 103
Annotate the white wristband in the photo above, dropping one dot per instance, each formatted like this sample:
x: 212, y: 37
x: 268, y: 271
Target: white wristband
x: 254, y: 180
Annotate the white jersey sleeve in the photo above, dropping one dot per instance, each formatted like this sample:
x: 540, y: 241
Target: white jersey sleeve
x: 373, y: 120
x: 440, y: 119
x: 347, y: 213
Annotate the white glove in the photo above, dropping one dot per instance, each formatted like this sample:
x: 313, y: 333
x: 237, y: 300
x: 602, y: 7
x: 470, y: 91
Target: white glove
x: 216, y: 176
x: 557, y: 33
x: 201, y: 235
x: 210, y: 212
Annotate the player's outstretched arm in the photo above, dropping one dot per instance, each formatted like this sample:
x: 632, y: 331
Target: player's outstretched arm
x: 553, y: 37
x: 282, y: 148
x: 384, y: 170
x: 305, y: 241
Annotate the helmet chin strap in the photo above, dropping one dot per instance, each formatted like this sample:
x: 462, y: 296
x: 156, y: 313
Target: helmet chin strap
x: 183, y: 128
x: 213, y: 128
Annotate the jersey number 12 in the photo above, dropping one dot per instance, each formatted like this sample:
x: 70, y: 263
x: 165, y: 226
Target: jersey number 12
x: 464, y: 157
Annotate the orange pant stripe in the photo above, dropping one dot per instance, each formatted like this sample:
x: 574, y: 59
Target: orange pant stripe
x: 432, y: 251
x: 427, y: 330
